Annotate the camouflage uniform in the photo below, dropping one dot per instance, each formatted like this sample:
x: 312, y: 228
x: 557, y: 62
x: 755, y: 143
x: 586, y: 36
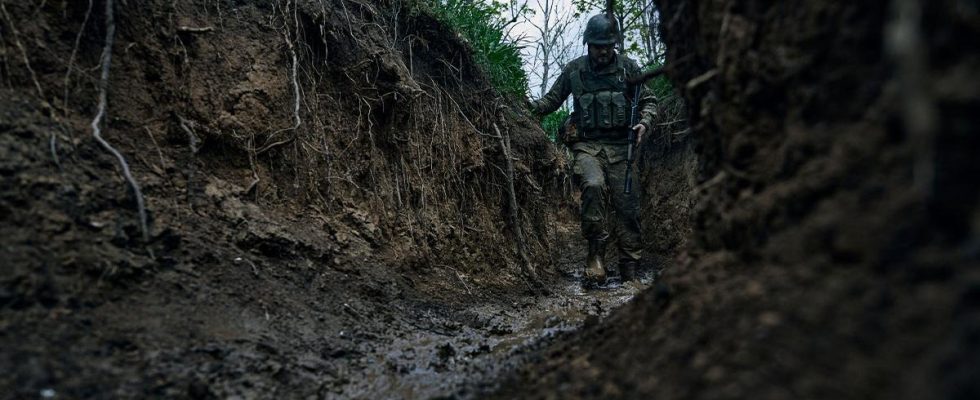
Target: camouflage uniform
x: 601, y: 117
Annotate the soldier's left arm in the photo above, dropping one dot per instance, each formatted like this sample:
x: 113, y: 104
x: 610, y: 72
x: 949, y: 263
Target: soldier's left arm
x: 551, y: 101
x: 648, y: 108
x: 648, y: 103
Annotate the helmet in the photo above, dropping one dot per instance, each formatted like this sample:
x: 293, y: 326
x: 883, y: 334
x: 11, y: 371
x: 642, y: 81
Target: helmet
x: 600, y: 30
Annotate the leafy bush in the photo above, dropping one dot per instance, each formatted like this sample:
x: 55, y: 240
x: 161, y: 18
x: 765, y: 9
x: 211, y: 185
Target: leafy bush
x: 481, y: 25
x: 661, y: 87
x: 552, y: 122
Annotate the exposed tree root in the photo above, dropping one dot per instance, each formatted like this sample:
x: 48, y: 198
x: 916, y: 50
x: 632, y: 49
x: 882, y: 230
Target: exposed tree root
x: 191, y: 137
x: 54, y: 150
x: 526, y: 266
x: 292, y: 51
x: 23, y: 50
x: 74, y: 51
x: 97, y: 132
x: 909, y: 51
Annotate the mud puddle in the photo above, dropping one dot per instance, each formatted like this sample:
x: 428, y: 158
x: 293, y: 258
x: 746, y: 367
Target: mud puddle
x: 460, y: 353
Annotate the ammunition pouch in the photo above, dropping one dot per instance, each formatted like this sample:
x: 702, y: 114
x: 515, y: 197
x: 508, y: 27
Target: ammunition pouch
x: 602, y: 109
x: 605, y: 110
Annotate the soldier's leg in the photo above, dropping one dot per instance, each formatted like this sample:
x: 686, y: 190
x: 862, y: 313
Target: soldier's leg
x: 592, y: 182
x: 625, y: 220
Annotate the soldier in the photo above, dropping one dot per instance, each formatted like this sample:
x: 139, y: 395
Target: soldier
x: 601, y: 115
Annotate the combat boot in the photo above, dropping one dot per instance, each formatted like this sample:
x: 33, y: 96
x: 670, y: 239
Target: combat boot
x: 595, y: 269
x: 627, y: 270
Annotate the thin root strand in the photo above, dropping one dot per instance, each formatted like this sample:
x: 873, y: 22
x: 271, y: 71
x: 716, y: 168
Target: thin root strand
x: 97, y: 132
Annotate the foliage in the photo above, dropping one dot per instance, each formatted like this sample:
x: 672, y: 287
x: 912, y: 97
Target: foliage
x: 669, y: 105
x: 553, y: 47
x: 638, y: 19
x: 553, y: 121
x: 661, y: 85
x: 482, y: 27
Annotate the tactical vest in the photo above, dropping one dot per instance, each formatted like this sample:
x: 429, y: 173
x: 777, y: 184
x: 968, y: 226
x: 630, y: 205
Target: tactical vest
x: 600, y: 102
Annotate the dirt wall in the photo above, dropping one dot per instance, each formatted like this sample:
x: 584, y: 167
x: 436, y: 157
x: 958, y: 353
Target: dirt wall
x: 318, y: 176
x: 668, y: 170
x: 370, y: 119
x: 834, y: 249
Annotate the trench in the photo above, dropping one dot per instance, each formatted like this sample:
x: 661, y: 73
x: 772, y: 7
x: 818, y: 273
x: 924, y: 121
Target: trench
x: 462, y: 360
x: 819, y: 240
x: 324, y: 221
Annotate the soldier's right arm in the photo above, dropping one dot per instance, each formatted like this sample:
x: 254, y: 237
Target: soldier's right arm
x: 555, y: 97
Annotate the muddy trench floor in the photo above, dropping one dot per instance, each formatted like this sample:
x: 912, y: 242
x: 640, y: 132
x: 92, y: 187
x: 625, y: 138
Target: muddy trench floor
x: 264, y: 331
x: 451, y: 356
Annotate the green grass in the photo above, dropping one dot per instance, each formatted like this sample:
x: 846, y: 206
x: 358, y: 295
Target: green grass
x: 552, y: 122
x: 661, y: 87
x: 480, y: 24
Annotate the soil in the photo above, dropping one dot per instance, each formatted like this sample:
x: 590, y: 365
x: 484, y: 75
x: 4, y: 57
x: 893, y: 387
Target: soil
x: 223, y: 322
x: 365, y: 253
x: 329, y: 213
x: 834, y: 246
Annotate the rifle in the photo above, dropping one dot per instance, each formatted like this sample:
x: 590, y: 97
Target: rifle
x: 628, y: 186
x: 637, y: 82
